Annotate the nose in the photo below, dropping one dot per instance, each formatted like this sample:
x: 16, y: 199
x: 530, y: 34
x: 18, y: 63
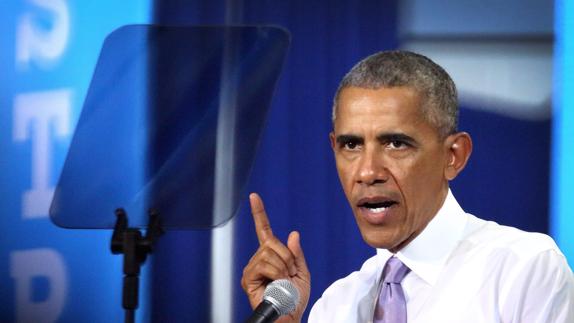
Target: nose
x: 371, y: 168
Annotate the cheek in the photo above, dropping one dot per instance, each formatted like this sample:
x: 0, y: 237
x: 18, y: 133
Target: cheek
x: 403, y: 171
x: 416, y: 179
x: 420, y: 182
x: 419, y: 171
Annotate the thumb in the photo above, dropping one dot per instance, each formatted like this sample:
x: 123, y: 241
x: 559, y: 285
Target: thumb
x: 294, y: 245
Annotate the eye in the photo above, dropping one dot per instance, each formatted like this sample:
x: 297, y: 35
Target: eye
x: 350, y: 145
x: 397, y: 144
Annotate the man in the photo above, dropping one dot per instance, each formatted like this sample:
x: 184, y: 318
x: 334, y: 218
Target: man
x: 396, y: 148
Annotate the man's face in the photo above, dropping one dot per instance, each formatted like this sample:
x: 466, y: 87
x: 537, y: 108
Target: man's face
x: 391, y: 163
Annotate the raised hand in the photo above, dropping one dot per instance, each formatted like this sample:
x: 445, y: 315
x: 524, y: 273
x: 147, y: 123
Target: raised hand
x: 273, y: 260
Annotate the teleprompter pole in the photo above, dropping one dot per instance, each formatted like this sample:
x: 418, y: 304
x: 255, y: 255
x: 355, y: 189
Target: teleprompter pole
x: 135, y: 248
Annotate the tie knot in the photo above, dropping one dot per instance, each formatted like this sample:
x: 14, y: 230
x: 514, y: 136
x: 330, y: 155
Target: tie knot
x: 394, y: 271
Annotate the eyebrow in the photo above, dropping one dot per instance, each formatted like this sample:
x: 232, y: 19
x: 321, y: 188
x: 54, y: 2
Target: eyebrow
x: 342, y: 139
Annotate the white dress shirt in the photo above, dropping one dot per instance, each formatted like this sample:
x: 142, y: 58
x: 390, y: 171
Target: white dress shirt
x: 463, y: 269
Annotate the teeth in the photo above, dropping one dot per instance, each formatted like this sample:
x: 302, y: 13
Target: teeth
x: 378, y: 209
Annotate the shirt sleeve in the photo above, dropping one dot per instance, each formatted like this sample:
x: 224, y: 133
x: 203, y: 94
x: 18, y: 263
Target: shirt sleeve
x: 542, y: 291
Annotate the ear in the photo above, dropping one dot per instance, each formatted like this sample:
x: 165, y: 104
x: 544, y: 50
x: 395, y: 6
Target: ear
x: 459, y: 148
x: 333, y: 140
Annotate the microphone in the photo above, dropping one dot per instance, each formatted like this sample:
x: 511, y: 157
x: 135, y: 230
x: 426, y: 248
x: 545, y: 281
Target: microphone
x: 279, y: 298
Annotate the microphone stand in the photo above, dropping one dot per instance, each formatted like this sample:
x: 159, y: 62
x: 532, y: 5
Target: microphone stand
x: 135, y: 249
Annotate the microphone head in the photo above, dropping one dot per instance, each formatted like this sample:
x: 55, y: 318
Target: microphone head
x: 283, y: 295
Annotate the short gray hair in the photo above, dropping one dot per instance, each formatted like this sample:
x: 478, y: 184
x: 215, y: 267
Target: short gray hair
x: 403, y: 68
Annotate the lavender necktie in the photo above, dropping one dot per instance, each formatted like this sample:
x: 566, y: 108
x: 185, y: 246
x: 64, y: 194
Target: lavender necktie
x: 391, y: 306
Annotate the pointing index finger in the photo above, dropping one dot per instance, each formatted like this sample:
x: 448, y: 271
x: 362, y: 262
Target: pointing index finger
x: 262, y: 226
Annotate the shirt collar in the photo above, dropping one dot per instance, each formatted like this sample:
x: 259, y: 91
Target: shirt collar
x: 428, y: 252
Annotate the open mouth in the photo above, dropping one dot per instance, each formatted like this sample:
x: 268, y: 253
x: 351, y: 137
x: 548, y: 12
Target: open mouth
x: 376, y: 206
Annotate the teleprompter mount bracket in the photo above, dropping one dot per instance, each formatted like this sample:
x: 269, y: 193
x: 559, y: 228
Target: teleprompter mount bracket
x: 135, y: 247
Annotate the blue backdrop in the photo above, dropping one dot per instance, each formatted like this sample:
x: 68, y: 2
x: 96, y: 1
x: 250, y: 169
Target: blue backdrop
x: 48, y: 51
x: 562, y: 203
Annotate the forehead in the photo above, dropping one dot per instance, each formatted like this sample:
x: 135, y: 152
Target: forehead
x: 395, y: 107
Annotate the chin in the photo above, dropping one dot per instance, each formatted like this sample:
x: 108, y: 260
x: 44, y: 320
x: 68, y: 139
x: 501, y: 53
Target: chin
x: 375, y: 240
